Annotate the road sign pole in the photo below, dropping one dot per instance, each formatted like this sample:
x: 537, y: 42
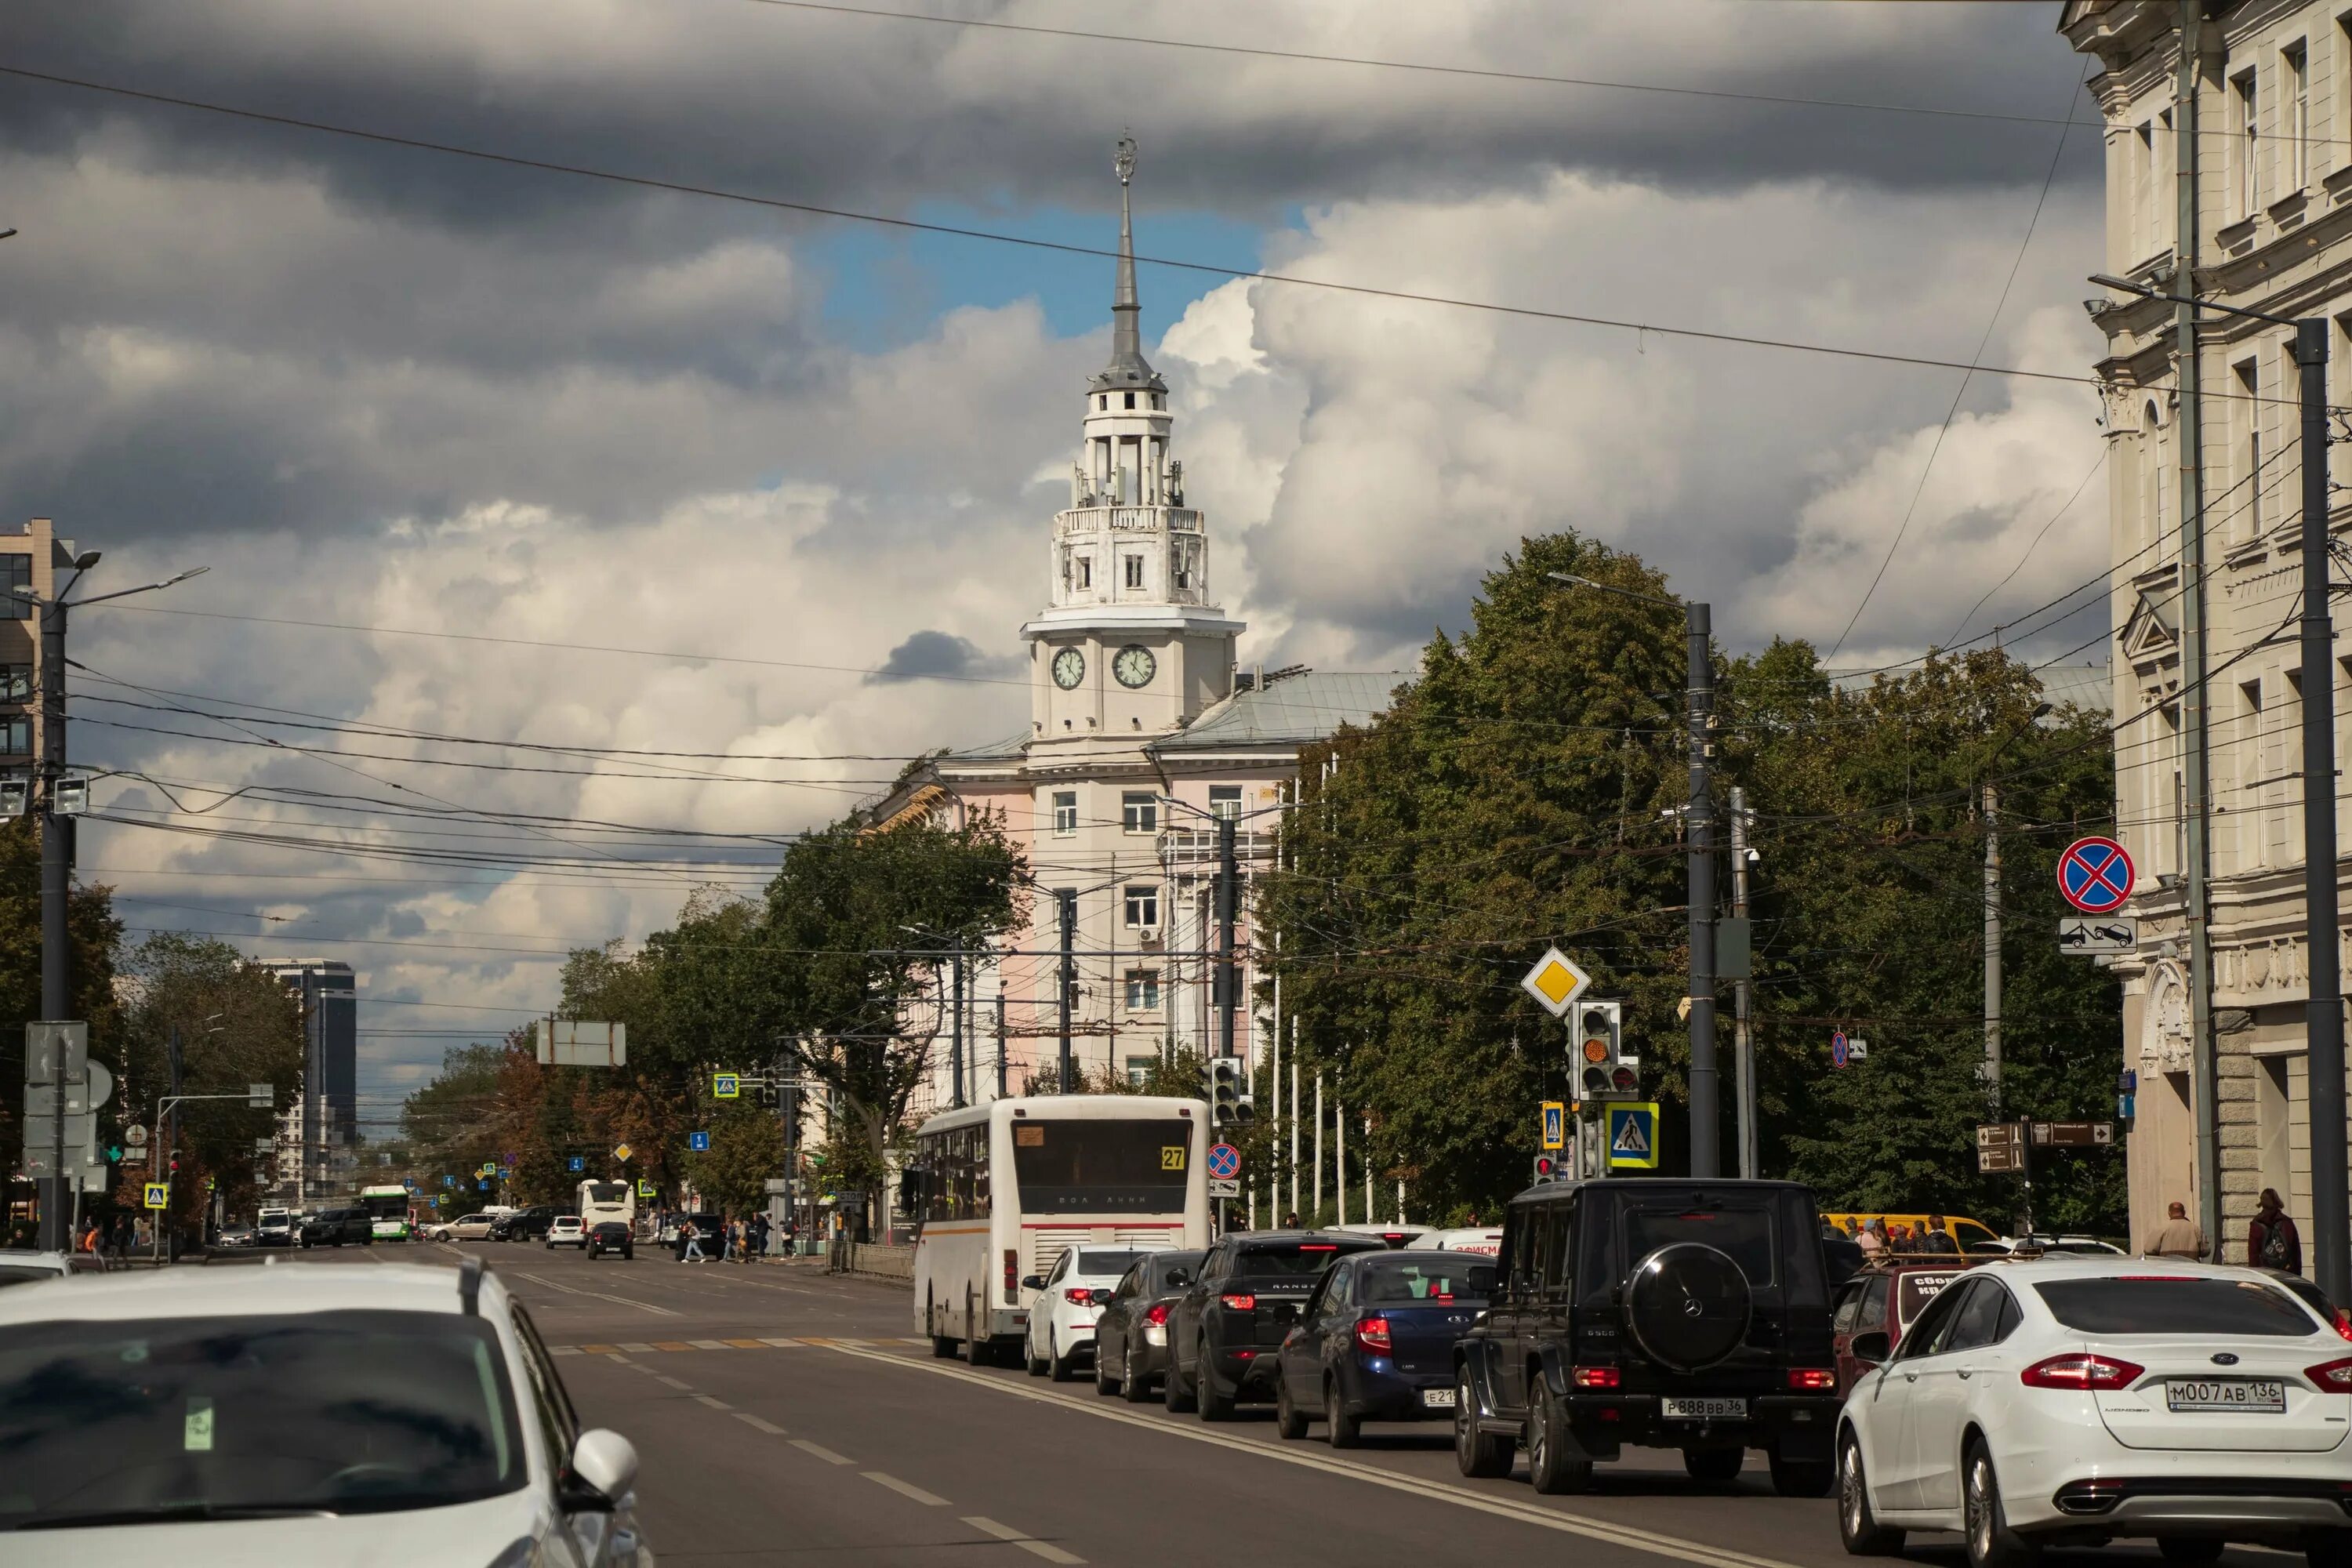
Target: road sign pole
x: 51, y: 674
x: 1698, y: 826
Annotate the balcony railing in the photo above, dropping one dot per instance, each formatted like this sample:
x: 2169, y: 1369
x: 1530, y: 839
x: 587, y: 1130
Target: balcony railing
x: 1125, y: 520
x: 1195, y: 849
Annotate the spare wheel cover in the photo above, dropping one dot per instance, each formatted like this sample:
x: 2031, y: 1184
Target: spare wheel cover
x: 1686, y: 1305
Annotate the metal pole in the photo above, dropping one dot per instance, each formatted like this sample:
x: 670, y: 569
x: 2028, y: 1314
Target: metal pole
x: 1743, y: 1042
x: 2330, y: 1220
x: 2196, y: 708
x: 1316, y: 1218
x: 1340, y: 1158
x: 1706, y: 1116
x: 1293, y: 1116
x: 1228, y: 879
x: 1000, y: 1031
x: 1992, y: 946
x: 56, y: 998
x: 955, y: 1034
x: 1068, y: 898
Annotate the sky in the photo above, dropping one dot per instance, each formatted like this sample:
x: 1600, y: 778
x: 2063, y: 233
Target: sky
x: 781, y: 482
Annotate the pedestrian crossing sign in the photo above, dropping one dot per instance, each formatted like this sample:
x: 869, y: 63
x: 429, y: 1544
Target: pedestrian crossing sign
x: 1555, y: 1124
x: 1633, y: 1135
x: 159, y: 1194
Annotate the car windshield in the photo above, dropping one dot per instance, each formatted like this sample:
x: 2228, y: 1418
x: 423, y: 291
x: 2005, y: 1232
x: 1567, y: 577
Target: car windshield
x: 25, y: 1273
x: 1402, y: 1282
x: 2175, y: 1304
x: 1096, y: 1264
x: 110, y: 1421
x: 1305, y: 1258
x: 1746, y: 1235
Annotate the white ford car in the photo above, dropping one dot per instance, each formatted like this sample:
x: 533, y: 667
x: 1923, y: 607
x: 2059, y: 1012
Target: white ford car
x: 1069, y: 1299
x: 2081, y: 1400
x: 210, y: 1417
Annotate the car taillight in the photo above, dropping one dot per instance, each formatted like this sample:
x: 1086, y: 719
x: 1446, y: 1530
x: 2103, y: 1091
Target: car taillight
x: 2080, y: 1370
x: 2331, y: 1376
x: 1158, y: 1316
x: 1372, y: 1335
x: 1078, y: 1296
x: 1812, y: 1377
x: 1012, y: 1277
x: 1240, y: 1303
x: 1596, y: 1377
x: 2343, y: 1323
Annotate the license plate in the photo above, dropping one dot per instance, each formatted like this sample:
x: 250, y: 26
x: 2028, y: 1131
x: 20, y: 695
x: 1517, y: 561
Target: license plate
x: 2257, y: 1396
x: 1437, y: 1399
x: 1704, y: 1409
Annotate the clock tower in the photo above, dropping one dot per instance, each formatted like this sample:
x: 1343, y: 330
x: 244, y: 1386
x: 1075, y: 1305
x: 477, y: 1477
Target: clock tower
x: 1130, y: 642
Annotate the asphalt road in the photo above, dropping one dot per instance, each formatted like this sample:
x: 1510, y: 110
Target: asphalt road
x: 785, y: 1418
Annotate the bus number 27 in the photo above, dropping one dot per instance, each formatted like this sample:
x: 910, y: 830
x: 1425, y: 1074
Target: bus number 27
x: 1171, y: 1156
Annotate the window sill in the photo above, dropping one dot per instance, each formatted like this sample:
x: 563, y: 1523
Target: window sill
x: 2338, y: 185
x: 2240, y: 233
x: 2289, y: 208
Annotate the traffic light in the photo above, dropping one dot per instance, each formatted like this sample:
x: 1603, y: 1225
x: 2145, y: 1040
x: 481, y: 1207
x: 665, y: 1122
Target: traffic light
x: 1547, y: 1169
x: 1227, y: 1091
x: 1605, y: 1070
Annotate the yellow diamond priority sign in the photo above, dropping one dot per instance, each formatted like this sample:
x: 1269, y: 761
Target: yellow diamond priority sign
x: 1555, y: 981
x: 622, y: 1152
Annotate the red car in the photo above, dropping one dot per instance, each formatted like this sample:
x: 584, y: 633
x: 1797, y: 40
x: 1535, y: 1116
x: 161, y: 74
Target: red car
x: 1884, y: 1298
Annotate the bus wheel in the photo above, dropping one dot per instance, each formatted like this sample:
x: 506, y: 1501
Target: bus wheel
x: 942, y: 1346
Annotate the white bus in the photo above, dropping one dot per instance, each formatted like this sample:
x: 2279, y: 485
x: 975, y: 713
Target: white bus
x: 601, y: 1201
x: 389, y: 1214
x: 1001, y: 1190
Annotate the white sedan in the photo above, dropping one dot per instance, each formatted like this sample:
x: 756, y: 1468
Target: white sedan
x: 566, y: 1230
x: 2083, y: 1399
x: 1069, y: 1299
x: 239, y: 1415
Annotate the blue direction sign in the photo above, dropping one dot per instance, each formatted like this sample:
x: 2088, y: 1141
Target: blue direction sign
x: 1225, y: 1161
x: 2095, y: 875
x: 697, y: 1142
x: 1633, y: 1135
x: 484, y: 1185
x: 1841, y: 1051
x: 449, y: 1181
x: 577, y: 1162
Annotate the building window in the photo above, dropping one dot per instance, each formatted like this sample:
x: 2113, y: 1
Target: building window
x: 2144, y: 191
x: 1139, y: 1070
x: 1130, y: 400
x: 1065, y: 813
x: 17, y: 734
x: 15, y: 572
x: 2250, y: 391
x: 2294, y: 99
x: 1134, y: 571
x: 1082, y: 571
x: 1138, y: 812
x: 1142, y: 990
x: 2249, y: 145
x: 16, y: 683
x: 1225, y: 801
x: 1103, y: 402
x: 1143, y: 908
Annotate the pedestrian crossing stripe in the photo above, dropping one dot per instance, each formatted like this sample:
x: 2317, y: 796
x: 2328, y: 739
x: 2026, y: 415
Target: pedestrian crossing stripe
x: 1633, y: 1135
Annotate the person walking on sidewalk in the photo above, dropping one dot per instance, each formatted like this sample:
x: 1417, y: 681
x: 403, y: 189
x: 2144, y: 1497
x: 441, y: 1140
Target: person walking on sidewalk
x: 2178, y: 1236
x: 2272, y: 1240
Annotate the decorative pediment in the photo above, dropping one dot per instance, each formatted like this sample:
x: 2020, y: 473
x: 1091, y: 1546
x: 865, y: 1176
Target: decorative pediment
x: 2154, y: 628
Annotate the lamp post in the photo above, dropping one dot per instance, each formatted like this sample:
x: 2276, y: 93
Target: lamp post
x: 1699, y: 823
x: 2331, y: 1206
x: 955, y: 1026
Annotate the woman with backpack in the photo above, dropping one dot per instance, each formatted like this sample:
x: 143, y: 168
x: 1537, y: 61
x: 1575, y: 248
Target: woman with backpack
x: 2272, y: 1241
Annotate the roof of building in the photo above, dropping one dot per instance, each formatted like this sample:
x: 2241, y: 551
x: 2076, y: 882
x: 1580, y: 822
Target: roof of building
x: 2091, y: 686
x: 1297, y: 710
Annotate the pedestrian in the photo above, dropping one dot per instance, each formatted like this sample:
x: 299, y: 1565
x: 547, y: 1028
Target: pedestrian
x: 2272, y: 1240
x: 1871, y: 1238
x: 1938, y: 1240
x: 88, y: 1245
x: 760, y: 1233
x: 690, y: 1243
x: 1472, y: 1219
x: 1290, y: 1220
x: 2178, y: 1236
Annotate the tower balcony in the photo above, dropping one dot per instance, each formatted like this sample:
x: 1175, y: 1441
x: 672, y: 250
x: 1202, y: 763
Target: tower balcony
x: 1126, y: 520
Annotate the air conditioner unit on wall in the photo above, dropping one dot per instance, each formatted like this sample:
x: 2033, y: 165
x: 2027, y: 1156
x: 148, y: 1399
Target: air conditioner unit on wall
x: 1148, y: 938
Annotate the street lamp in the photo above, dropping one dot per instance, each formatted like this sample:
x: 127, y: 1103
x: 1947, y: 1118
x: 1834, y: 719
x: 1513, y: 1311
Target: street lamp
x: 2331, y: 1206
x: 1228, y: 898
x: 1706, y: 1115
x: 955, y: 1027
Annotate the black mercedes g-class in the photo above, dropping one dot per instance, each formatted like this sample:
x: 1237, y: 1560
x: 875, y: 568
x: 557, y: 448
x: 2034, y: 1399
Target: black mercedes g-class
x: 1672, y: 1314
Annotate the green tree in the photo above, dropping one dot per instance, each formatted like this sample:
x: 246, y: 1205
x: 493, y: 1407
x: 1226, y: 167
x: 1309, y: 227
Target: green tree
x: 747, y: 1147
x: 95, y: 932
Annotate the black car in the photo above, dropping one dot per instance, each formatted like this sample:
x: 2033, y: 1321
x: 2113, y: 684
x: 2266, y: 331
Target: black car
x: 525, y: 1225
x: 612, y: 1236
x: 1224, y: 1329
x: 334, y: 1227
x: 1672, y: 1314
x: 1131, y: 1331
x: 1375, y: 1342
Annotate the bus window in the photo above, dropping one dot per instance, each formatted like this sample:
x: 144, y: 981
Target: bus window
x: 1102, y: 1166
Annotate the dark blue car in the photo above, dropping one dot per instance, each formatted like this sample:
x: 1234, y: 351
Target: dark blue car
x: 1375, y: 1342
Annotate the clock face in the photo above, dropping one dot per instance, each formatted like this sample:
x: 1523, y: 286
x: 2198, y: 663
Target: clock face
x: 1069, y: 669
x: 1134, y: 664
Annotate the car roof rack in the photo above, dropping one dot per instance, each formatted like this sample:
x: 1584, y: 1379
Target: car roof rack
x: 469, y: 1286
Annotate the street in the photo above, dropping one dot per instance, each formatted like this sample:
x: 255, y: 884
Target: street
x: 785, y: 1416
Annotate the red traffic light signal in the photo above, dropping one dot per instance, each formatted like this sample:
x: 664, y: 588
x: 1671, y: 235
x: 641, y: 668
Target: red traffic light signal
x: 1547, y: 1168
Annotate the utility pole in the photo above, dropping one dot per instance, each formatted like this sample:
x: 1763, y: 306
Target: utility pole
x: 1228, y: 879
x: 1067, y: 899
x: 1706, y: 1115
x: 1744, y: 1041
x: 999, y: 1029
x: 56, y: 861
x: 955, y: 1033
x: 1992, y: 946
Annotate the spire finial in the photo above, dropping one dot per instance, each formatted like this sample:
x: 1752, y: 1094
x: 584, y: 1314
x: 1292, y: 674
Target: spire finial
x: 1123, y: 157
x: 1127, y: 366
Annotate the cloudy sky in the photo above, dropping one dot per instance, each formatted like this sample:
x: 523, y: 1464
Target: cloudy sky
x: 766, y: 454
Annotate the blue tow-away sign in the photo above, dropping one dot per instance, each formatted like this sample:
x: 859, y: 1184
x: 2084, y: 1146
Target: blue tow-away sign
x: 1633, y: 1135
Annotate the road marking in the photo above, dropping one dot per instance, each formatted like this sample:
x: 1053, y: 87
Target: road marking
x: 674, y: 1383
x: 708, y: 1344
x: 599, y: 1295
x: 905, y: 1489
x: 1561, y: 1519
x: 564, y: 1349
x: 749, y: 1419
x: 821, y: 1452
x: 593, y: 1350
x: 640, y: 1348
x: 783, y: 1344
x: 1029, y: 1544
x: 745, y: 1344
x: 714, y: 1403
x: 671, y: 1345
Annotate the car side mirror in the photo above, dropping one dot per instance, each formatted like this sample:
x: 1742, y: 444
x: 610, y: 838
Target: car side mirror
x: 1178, y: 1280
x: 603, y: 1467
x: 1102, y: 1298
x: 1032, y: 1282
x: 1872, y: 1347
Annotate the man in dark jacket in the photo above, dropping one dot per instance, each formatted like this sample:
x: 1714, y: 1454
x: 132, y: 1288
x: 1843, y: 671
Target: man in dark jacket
x: 1936, y: 1239
x: 2272, y: 1241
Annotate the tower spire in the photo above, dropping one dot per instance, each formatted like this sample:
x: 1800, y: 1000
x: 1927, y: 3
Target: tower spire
x: 1127, y: 366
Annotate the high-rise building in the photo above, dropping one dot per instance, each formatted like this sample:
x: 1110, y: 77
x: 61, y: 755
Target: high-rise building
x: 323, y: 1122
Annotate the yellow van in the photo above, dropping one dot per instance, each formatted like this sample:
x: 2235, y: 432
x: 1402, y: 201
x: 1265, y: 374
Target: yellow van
x: 1959, y: 1228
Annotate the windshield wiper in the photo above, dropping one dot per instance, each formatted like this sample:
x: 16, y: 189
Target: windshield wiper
x: 170, y: 1513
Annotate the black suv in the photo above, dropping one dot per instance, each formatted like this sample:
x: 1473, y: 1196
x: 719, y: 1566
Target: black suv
x: 1225, y: 1330
x: 334, y: 1227
x: 525, y: 1225
x: 1671, y: 1314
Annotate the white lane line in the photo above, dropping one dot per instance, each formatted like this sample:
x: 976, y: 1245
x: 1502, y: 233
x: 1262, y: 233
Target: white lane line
x: 563, y: 1350
x: 780, y: 1344
x: 597, y: 1294
x: 710, y: 1344
x: 673, y: 1381
x: 1561, y: 1519
x: 616, y: 1355
x: 714, y: 1403
x: 749, y: 1419
x: 821, y: 1452
x: 640, y: 1348
x: 1029, y: 1544
x: 905, y: 1489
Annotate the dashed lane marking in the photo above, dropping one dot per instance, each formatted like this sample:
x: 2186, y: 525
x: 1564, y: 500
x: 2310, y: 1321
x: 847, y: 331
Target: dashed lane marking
x: 1029, y: 1544
x: 675, y: 1383
x: 1561, y: 1519
x: 749, y: 1419
x: 821, y: 1452
x: 905, y: 1489
x: 710, y: 1344
x: 714, y: 1403
x: 639, y: 1349
x: 597, y: 1294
